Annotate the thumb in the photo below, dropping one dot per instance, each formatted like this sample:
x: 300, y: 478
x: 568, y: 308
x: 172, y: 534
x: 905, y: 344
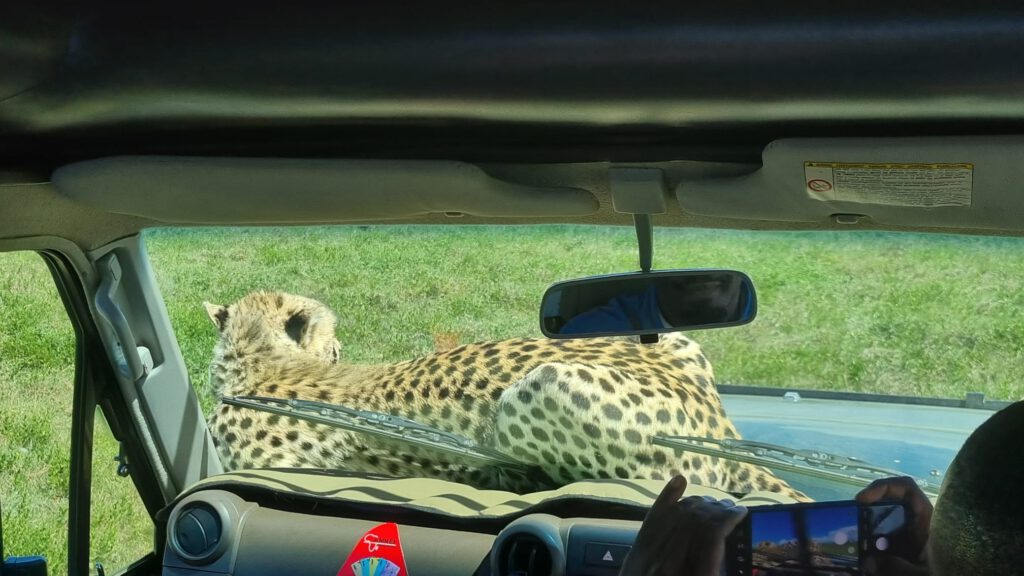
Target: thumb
x: 893, y: 566
x: 670, y: 494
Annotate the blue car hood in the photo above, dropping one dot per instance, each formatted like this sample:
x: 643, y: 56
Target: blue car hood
x: 918, y: 440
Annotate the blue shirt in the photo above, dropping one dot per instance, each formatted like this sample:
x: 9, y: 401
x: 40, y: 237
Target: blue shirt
x: 621, y: 314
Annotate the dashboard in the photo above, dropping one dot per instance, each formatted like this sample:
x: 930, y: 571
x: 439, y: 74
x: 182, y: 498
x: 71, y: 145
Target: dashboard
x: 214, y: 532
x: 258, y: 523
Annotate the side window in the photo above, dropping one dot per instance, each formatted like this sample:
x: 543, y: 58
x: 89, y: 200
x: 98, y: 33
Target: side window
x: 120, y: 531
x: 37, y: 372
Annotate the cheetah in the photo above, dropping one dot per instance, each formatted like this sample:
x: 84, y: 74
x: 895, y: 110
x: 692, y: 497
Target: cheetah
x: 568, y: 409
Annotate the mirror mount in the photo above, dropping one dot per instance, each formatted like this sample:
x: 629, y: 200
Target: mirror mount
x: 648, y: 302
x: 645, y: 243
x: 640, y: 192
x: 649, y: 338
x: 644, y: 240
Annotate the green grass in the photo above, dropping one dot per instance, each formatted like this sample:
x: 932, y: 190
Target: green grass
x: 36, y: 376
x: 865, y: 312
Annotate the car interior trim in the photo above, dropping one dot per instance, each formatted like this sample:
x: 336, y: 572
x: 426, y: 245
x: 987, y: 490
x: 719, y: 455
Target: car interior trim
x: 992, y: 200
x: 244, y: 188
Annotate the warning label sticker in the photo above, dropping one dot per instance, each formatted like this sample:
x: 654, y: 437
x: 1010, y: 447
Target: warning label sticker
x: 919, y: 185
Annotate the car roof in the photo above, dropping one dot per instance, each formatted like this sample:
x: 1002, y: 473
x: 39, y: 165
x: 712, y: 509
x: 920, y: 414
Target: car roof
x: 544, y: 96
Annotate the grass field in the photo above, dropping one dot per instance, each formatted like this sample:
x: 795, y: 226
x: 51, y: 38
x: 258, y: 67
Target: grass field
x: 865, y: 312
x: 37, y: 351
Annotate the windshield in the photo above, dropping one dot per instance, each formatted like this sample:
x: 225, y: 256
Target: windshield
x: 378, y: 319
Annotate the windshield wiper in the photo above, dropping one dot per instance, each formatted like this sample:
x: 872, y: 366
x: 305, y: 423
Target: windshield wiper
x: 813, y: 463
x: 379, y: 424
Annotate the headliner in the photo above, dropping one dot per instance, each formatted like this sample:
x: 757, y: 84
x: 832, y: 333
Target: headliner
x: 504, y: 82
x: 534, y: 94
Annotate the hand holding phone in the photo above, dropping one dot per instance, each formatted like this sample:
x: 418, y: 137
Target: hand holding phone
x: 823, y: 538
x: 907, y: 554
x: 682, y: 536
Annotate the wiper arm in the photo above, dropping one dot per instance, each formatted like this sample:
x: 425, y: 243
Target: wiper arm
x: 813, y: 463
x: 378, y: 424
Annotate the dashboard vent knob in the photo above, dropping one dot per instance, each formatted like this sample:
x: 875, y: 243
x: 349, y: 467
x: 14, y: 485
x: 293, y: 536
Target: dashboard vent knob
x: 197, y: 533
x: 525, y: 555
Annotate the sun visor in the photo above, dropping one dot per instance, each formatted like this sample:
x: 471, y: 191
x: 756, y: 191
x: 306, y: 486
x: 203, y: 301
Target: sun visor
x: 194, y: 190
x: 954, y: 182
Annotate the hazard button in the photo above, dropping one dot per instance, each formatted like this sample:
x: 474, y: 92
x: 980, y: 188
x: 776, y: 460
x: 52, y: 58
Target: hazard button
x: 606, y: 555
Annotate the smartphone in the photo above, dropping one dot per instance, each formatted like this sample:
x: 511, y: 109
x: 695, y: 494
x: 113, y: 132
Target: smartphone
x: 814, y: 539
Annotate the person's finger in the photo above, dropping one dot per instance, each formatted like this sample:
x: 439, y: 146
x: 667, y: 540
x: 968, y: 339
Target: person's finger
x: 660, y: 521
x: 902, y: 488
x: 906, y: 490
x: 681, y: 526
x: 690, y: 501
x: 730, y: 518
x: 875, y: 491
x: 705, y: 554
x: 670, y: 494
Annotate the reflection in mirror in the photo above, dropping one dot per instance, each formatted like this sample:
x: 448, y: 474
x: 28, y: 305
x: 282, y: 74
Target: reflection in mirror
x: 648, y: 303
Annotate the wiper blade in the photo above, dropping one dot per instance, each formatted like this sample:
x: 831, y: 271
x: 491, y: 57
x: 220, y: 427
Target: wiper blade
x: 813, y: 463
x: 378, y: 424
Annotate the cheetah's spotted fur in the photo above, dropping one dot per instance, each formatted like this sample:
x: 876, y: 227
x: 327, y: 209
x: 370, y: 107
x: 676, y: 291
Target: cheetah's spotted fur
x: 574, y: 409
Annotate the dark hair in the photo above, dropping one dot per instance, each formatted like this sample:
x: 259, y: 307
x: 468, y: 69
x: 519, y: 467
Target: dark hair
x: 978, y: 524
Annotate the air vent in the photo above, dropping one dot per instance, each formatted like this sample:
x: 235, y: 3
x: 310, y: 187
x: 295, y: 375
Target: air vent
x: 197, y: 533
x: 525, y: 555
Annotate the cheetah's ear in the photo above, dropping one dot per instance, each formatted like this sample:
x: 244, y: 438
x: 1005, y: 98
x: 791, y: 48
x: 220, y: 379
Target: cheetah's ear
x: 297, y: 328
x: 218, y: 314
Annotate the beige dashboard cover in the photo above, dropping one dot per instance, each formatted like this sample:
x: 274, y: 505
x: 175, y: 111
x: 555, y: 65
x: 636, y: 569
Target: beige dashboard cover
x: 452, y: 499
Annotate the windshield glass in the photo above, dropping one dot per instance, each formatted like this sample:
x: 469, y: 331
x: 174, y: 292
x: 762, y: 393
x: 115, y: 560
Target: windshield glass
x: 378, y: 319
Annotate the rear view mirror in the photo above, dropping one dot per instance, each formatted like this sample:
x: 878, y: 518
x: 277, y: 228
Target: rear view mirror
x: 647, y: 303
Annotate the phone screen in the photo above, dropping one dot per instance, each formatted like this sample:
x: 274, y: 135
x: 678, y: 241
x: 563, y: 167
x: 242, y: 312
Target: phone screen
x: 829, y: 538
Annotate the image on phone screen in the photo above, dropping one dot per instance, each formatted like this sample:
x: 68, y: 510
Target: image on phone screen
x: 812, y: 539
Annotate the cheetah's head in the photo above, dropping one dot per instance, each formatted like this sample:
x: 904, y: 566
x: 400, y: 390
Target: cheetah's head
x: 284, y: 323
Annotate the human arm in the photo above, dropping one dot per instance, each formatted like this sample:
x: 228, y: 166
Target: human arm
x: 909, y: 555
x: 682, y: 536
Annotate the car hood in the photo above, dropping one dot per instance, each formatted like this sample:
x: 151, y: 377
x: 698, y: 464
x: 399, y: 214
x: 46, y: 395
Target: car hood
x: 919, y: 440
